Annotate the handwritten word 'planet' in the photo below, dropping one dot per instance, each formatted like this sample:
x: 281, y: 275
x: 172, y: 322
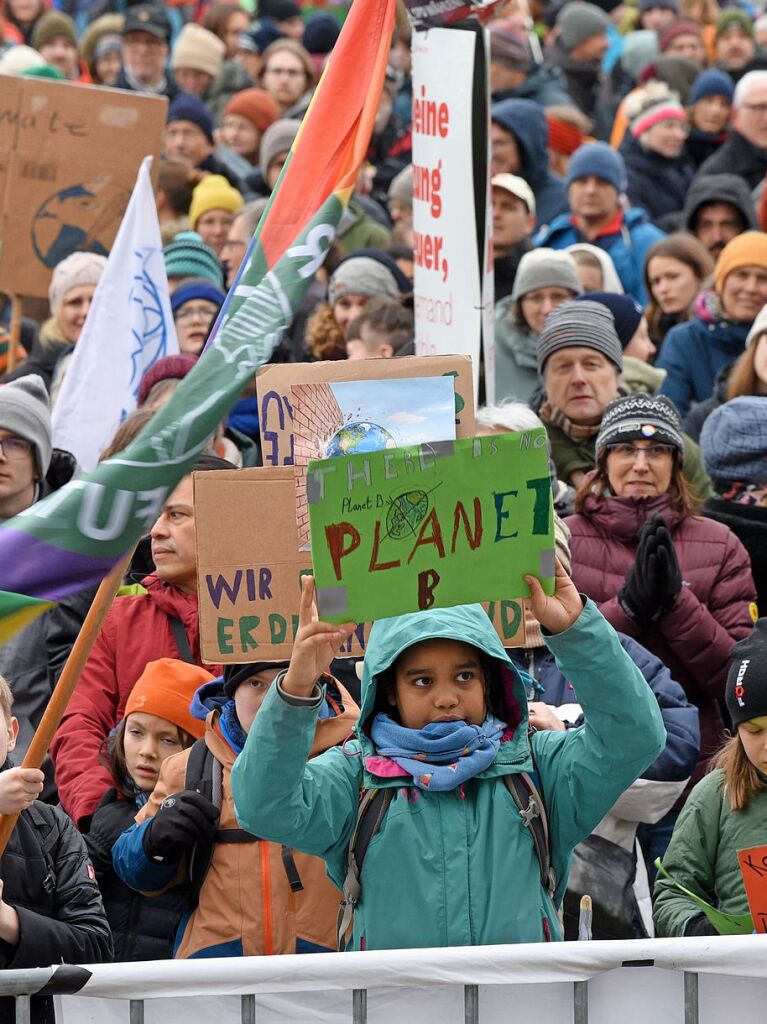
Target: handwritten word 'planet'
x: 357, y: 438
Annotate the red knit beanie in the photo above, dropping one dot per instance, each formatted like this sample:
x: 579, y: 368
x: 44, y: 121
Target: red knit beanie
x: 256, y: 105
x: 168, y: 368
x: 165, y: 688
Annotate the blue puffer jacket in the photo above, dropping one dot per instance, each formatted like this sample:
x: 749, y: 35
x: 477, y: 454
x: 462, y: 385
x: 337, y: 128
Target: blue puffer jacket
x: 680, y: 755
x: 454, y: 868
x: 692, y: 355
x: 627, y: 248
x: 527, y: 123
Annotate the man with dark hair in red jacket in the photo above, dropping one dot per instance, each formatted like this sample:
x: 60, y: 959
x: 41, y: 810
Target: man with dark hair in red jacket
x: 161, y: 622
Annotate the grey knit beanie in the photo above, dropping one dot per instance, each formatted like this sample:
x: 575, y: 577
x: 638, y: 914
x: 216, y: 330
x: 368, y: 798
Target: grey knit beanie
x: 580, y: 325
x: 578, y: 22
x: 734, y: 441
x: 24, y: 411
x: 641, y: 417
x: 401, y: 186
x: 545, y: 268
x: 278, y: 138
x: 362, y: 275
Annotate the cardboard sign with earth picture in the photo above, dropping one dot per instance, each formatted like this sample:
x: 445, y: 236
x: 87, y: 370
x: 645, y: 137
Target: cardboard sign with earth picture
x: 69, y: 156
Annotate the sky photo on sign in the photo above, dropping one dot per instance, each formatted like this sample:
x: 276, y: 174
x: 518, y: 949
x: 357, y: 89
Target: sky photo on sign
x: 360, y: 416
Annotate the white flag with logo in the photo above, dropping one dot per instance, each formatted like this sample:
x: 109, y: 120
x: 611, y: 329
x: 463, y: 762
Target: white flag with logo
x: 128, y: 328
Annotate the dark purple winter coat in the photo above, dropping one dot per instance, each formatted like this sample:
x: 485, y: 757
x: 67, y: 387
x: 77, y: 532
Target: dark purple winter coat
x: 712, y: 609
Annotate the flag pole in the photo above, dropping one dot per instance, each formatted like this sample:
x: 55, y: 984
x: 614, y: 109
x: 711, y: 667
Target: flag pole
x: 68, y: 680
x: 14, y: 333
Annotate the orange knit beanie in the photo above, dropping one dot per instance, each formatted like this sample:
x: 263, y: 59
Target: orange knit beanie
x: 165, y: 688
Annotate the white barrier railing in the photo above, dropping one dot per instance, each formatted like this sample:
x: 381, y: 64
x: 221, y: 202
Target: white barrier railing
x: 696, y: 981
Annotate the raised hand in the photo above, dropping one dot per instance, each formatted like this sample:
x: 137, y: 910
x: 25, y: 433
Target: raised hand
x: 557, y: 613
x: 316, y: 645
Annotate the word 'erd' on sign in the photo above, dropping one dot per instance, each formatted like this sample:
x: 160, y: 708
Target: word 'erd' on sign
x: 434, y: 525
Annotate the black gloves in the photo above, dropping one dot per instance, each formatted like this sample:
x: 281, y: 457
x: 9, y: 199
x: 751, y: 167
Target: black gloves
x: 700, y: 925
x: 182, y: 820
x: 655, y: 579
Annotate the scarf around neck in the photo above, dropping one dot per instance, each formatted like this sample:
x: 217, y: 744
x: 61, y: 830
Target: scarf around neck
x: 442, y: 755
x: 229, y: 723
x: 575, y: 431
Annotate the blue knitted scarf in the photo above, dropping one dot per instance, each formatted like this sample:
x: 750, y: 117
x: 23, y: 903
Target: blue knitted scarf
x: 442, y: 755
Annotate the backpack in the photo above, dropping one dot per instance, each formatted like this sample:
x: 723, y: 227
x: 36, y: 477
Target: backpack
x: 205, y: 774
x: 373, y: 805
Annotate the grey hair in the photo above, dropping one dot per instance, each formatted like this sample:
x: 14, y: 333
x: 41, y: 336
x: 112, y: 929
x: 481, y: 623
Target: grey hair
x: 747, y: 81
x: 509, y: 415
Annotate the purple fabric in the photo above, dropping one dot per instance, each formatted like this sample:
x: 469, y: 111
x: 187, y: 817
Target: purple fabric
x: 26, y: 561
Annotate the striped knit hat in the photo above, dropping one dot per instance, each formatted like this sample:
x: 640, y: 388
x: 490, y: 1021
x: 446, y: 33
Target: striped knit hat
x: 656, y: 103
x: 641, y: 417
x: 188, y: 256
x: 580, y: 325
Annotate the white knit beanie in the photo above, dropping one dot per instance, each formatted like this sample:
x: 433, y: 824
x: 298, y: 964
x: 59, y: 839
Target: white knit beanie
x: 199, y: 50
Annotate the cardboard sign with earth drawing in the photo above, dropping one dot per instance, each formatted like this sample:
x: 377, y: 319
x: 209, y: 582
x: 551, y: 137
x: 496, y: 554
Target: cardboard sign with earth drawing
x: 69, y: 156
x: 433, y: 525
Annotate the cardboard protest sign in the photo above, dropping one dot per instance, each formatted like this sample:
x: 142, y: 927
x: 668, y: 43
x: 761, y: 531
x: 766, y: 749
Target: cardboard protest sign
x: 352, y: 416
x: 69, y: 156
x: 450, y: 196
x: 249, y: 567
x: 753, y: 867
x: 431, y: 526
x: 274, y: 382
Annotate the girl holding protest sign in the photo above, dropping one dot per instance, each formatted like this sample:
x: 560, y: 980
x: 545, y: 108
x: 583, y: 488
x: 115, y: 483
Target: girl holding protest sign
x: 444, y: 733
x: 727, y: 810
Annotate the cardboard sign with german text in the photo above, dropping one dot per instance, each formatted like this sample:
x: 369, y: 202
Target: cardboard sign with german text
x: 249, y: 567
x: 753, y: 867
x: 69, y: 156
x: 274, y: 383
x: 431, y: 526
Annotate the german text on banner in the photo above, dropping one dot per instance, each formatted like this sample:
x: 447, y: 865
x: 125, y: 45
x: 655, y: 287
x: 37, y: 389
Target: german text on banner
x: 71, y: 539
x: 128, y: 328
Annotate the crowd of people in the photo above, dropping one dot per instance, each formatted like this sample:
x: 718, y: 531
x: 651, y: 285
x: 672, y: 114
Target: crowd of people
x: 191, y: 809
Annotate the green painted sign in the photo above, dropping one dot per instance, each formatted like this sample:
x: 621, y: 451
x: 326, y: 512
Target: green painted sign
x: 430, y: 526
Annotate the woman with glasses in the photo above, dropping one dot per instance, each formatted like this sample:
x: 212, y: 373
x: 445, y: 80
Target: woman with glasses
x: 658, y: 168
x: 678, y: 583
x: 195, y: 306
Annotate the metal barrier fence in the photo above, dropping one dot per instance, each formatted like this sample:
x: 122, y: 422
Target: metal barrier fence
x: 695, y: 981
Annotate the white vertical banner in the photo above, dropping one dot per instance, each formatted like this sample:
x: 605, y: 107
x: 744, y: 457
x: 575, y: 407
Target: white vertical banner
x: 482, y: 108
x: 447, y: 285
x: 128, y: 328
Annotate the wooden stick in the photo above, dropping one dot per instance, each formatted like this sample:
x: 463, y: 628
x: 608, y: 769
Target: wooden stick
x: 14, y: 334
x: 68, y: 680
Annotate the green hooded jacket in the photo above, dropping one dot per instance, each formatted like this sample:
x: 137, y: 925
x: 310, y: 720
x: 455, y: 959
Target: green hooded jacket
x: 703, y: 855
x: 455, y: 868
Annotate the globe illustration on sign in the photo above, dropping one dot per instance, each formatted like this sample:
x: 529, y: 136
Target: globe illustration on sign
x: 80, y: 218
x: 357, y: 438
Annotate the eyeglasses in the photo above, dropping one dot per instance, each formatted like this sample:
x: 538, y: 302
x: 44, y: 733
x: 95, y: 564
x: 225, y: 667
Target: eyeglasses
x: 630, y: 452
x: 15, y: 447
x: 188, y: 312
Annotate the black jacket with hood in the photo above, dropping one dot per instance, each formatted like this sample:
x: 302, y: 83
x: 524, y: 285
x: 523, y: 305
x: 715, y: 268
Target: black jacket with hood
x: 719, y: 188
x: 527, y: 123
x: 656, y: 184
x: 738, y: 152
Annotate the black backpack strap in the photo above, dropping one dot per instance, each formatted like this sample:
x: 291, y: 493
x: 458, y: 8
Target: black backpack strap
x: 532, y: 810
x: 200, y: 771
x: 182, y: 640
x: 47, y: 834
x: 291, y: 870
x: 373, y: 805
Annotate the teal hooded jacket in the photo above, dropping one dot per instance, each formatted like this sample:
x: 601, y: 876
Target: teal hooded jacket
x: 455, y: 868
